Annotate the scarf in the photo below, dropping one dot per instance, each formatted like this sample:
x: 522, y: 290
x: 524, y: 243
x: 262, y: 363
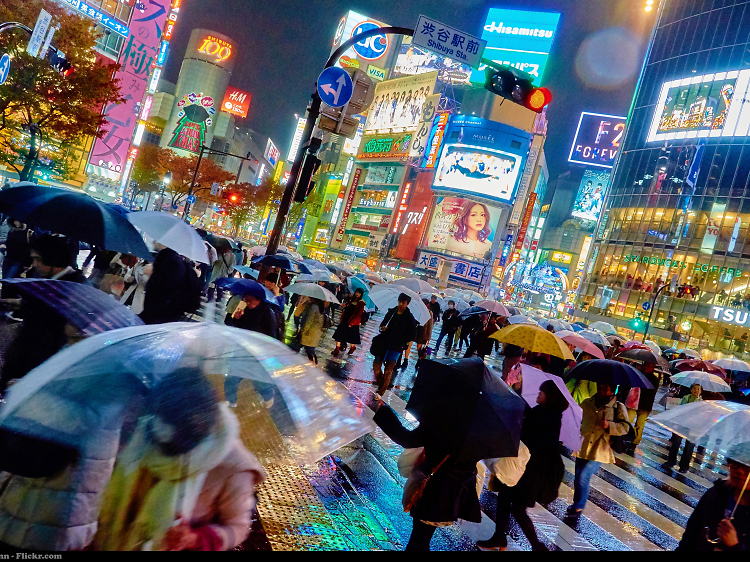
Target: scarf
x: 150, y: 492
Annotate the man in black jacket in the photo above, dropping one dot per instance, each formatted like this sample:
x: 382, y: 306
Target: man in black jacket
x: 451, y: 322
x: 399, y: 328
x: 434, y: 307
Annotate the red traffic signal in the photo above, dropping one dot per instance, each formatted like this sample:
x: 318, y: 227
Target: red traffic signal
x: 517, y: 86
x: 233, y: 198
x: 538, y: 99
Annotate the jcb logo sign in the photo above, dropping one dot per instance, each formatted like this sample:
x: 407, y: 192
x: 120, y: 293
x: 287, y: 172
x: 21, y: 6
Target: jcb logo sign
x: 216, y: 47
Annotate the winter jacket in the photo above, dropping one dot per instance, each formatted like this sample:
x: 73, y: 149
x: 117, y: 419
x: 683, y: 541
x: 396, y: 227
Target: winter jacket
x: 311, y: 326
x: 400, y: 329
x: 451, y: 320
x: 172, y: 291
x: 261, y: 319
x: 451, y: 492
x: 595, y: 445
x: 709, y: 512
x: 222, y: 267
x: 424, y: 332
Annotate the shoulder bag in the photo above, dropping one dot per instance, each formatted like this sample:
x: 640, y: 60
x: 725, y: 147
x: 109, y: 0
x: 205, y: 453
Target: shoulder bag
x: 416, y: 484
x: 621, y: 443
x: 379, y: 345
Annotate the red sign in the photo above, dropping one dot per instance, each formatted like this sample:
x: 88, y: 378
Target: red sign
x: 401, y: 208
x: 437, y: 140
x: 349, y: 201
x: 534, y: 245
x: 526, y: 221
x: 236, y: 102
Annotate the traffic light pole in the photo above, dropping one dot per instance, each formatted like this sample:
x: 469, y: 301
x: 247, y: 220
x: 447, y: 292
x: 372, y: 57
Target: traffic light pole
x: 650, y: 312
x: 312, y: 116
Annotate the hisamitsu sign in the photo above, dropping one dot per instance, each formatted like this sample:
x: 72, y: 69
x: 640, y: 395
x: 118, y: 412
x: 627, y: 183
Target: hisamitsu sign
x: 448, y: 41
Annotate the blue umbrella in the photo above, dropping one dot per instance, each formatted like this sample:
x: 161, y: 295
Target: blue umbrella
x: 244, y: 269
x: 74, y: 214
x: 357, y: 283
x: 90, y: 310
x: 282, y: 262
x: 610, y: 372
x: 247, y: 286
x: 578, y: 326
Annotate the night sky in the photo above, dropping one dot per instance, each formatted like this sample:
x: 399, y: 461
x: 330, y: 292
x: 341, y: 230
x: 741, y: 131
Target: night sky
x: 282, y: 46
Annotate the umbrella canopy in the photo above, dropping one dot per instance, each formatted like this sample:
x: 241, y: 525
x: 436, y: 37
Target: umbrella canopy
x: 220, y: 242
x: 172, y: 232
x: 282, y: 262
x: 246, y: 270
x: 371, y: 277
x: 689, y: 352
x: 732, y: 364
x: 533, y: 338
x: 74, y: 214
x: 581, y: 325
x: 610, y: 372
x: 312, y: 290
x: 247, y: 287
x: 385, y: 296
x: 416, y: 285
x: 595, y: 337
x: 472, y: 310
x: 581, y: 343
x: 355, y: 283
x: 323, y: 275
x: 355, y: 266
x: 310, y: 409
x: 474, y: 411
x: 698, y: 365
x: 613, y: 339
x: 577, y: 327
x: 570, y: 432
x: 90, y: 310
x: 522, y: 320
x: 604, y: 327
x: 558, y: 325
x: 653, y: 347
x: 340, y: 269
x: 494, y: 306
x: 471, y: 296
x: 313, y: 264
x: 712, y: 383
x: 644, y: 355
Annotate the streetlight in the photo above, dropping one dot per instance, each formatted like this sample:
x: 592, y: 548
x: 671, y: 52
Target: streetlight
x: 165, y: 181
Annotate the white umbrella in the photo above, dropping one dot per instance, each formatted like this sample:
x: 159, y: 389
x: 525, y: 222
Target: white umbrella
x: 521, y: 320
x: 357, y: 266
x: 493, y: 306
x: 440, y: 300
x: 258, y: 250
x: 558, y: 325
x: 461, y: 304
x: 690, y: 353
x: 171, y: 232
x: 385, y: 296
x: 732, y: 364
x: 416, y: 285
x: 449, y: 292
x: 604, y: 327
x: 373, y: 277
x: 470, y: 296
x: 653, y: 347
x: 312, y: 290
x: 324, y: 275
x: 595, y: 337
x: 314, y: 264
x: 342, y: 267
x: 712, y: 383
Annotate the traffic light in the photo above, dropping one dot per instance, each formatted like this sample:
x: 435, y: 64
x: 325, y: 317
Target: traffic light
x: 310, y: 165
x: 58, y: 61
x: 636, y: 324
x: 516, y: 86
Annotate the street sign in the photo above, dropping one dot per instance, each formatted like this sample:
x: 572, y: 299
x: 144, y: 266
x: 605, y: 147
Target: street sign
x: 4, y: 68
x: 335, y: 87
x: 646, y: 305
x: 48, y: 41
x: 191, y: 199
x: 215, y: 189
x: 40, y: 32
x: 448, y: 41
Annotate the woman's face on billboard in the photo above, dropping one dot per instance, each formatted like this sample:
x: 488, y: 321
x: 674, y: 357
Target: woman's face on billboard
x: 477, y: 218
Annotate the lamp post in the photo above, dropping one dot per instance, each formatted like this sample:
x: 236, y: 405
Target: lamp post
x: 165, y: 181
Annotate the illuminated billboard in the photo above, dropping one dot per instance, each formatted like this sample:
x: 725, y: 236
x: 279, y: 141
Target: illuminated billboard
x: 371, y: 50
x: 701, y: 106
x: 272, y: 153
x: 478, y: 170
x: 462, y: 226
x: 518, y: 38
x: 236, y: 102
x: 298, y: 132
x: 597, y: 139
x: 397, y: 105
x: 414, y: 60
x: 590, y: 198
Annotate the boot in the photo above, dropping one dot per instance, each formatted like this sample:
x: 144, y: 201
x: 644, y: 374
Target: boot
x: 498, y: 541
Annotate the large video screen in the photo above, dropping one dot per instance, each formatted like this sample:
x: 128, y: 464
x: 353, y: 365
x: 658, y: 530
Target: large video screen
x: 481, y: 171
x: 463, y: 226
x: 414, y: 60
x: 398, y: 103
x: 702, y: 106
x: 591, y: 193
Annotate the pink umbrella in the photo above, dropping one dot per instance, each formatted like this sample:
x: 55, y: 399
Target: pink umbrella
x: 570, y: 432
x: 493, y: 306
x: 583, y: 344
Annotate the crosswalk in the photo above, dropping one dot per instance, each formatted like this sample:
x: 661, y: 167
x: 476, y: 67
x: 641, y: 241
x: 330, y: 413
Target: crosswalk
x: 634, y: 504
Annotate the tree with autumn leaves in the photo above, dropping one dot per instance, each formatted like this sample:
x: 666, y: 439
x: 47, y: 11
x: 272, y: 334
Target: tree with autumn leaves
x: 252, y: 201
x: 46, y: 117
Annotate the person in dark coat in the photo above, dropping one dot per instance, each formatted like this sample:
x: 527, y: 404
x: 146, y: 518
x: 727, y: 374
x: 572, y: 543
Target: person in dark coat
x: 17, y: 249
x: 451, y: 322
x: 43, y: 330
x: 544, y: 471
x: 712, y: 526
x: 172, y: 291
x: 469, y: 328
x: 399, y: 327
x: 481, y: 343
x: 450, y: 493
x: 434, y: 307
x: 347, y: 331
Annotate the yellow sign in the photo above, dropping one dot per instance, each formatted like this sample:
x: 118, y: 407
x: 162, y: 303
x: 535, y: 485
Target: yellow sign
x: 214, y: 46
x: 562, y: 257
x: 279, y: 170
x: 376, y: 73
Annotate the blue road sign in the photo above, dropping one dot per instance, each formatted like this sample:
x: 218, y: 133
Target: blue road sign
x: 335, y: 87
x: 4, y: 68
x: 646, y: 305
x: 191, y: 199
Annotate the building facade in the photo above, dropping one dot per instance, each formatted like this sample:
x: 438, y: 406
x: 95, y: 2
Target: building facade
x: 678, y: 212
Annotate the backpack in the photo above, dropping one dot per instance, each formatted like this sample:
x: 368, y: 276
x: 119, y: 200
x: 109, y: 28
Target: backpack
x: 621, y: 443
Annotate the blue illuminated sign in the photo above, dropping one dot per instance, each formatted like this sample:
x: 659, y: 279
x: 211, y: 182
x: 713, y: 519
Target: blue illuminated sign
x: 99, y: 17
x: 506, y: 250
x: 163, y: 53
x: 520, y: 39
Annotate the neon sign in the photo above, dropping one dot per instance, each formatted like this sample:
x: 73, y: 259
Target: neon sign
x: 218, y: 47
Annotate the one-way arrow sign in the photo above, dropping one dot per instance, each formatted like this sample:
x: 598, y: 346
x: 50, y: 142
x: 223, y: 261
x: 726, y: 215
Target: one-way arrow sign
x: 339, y: 95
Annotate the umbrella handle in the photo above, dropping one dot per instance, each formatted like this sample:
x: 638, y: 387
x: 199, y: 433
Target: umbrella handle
x: 744, y: 487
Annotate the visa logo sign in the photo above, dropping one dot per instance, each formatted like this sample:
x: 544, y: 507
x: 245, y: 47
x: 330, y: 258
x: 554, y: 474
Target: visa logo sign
x: 376, y: 73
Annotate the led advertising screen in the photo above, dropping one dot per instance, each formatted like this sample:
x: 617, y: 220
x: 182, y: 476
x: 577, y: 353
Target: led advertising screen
x: 520, y: 39
x: 597, y: 139
x: 272, y: 153
x: 462, y: 226
x: 702, y: 106
x: 590, y: 198
x: 481, y: 171
x: 374, y: 50
x: 414, y: 60
x: 398, y: 103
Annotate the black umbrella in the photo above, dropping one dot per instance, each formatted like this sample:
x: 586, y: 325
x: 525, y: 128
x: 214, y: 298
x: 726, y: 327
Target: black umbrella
x: 282, y: 261
x: 219, y: 242
x: 609, y: 372
x: 473, y: 310
x: 476, y: 414
x: 644, y: 356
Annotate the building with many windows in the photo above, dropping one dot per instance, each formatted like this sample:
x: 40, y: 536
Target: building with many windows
x: 678, y: 212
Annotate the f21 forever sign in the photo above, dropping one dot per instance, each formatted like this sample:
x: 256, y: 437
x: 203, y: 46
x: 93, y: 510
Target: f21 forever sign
x: 597, y: 139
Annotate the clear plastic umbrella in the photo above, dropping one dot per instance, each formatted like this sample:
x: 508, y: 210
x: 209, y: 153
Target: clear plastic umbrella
x: 732, y: 364
x: 653, y: 347
x: 595, y: 337
x: 172, y: 232
x: 416, y: 285
x: 689, y: 352
x: 521, y: 320
x: 311, y: 412
x: 604, y: 327
x: 312, y: 290
x: 385, y: 296
x: 712, y: 383
x: 314, y: 264
x: 493, y: 306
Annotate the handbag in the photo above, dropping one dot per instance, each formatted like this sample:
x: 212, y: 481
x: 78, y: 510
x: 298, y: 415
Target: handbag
x: 408, y: 459
x: 327, y: 321
x: 416, y: 484
x: 510, y: 469
x: 379, y: 345
x: 621, y: 443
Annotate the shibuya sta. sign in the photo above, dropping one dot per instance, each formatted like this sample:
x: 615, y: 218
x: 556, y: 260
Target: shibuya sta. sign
x: 730, y: 315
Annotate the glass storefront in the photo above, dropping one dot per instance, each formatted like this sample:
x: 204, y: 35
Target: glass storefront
x: 678, y: 213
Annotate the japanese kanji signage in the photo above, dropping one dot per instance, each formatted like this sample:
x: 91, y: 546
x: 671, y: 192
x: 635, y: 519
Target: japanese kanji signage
x: 139, y: 54
x: 421, y: 136
x: 461, y: 270
x: 236, y: 102
x: 347, y: 209
x: 107, y: 21
x: 448, y: 41
x: 384, y: 146
x: 526, y: 221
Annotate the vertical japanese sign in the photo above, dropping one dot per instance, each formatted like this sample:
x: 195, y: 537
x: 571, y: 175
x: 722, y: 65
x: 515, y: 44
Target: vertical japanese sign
x: 528, y: 174
x: 506, y: 250
x: 140, y: 53
x: 349, y: 201
x: 526, y: 221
